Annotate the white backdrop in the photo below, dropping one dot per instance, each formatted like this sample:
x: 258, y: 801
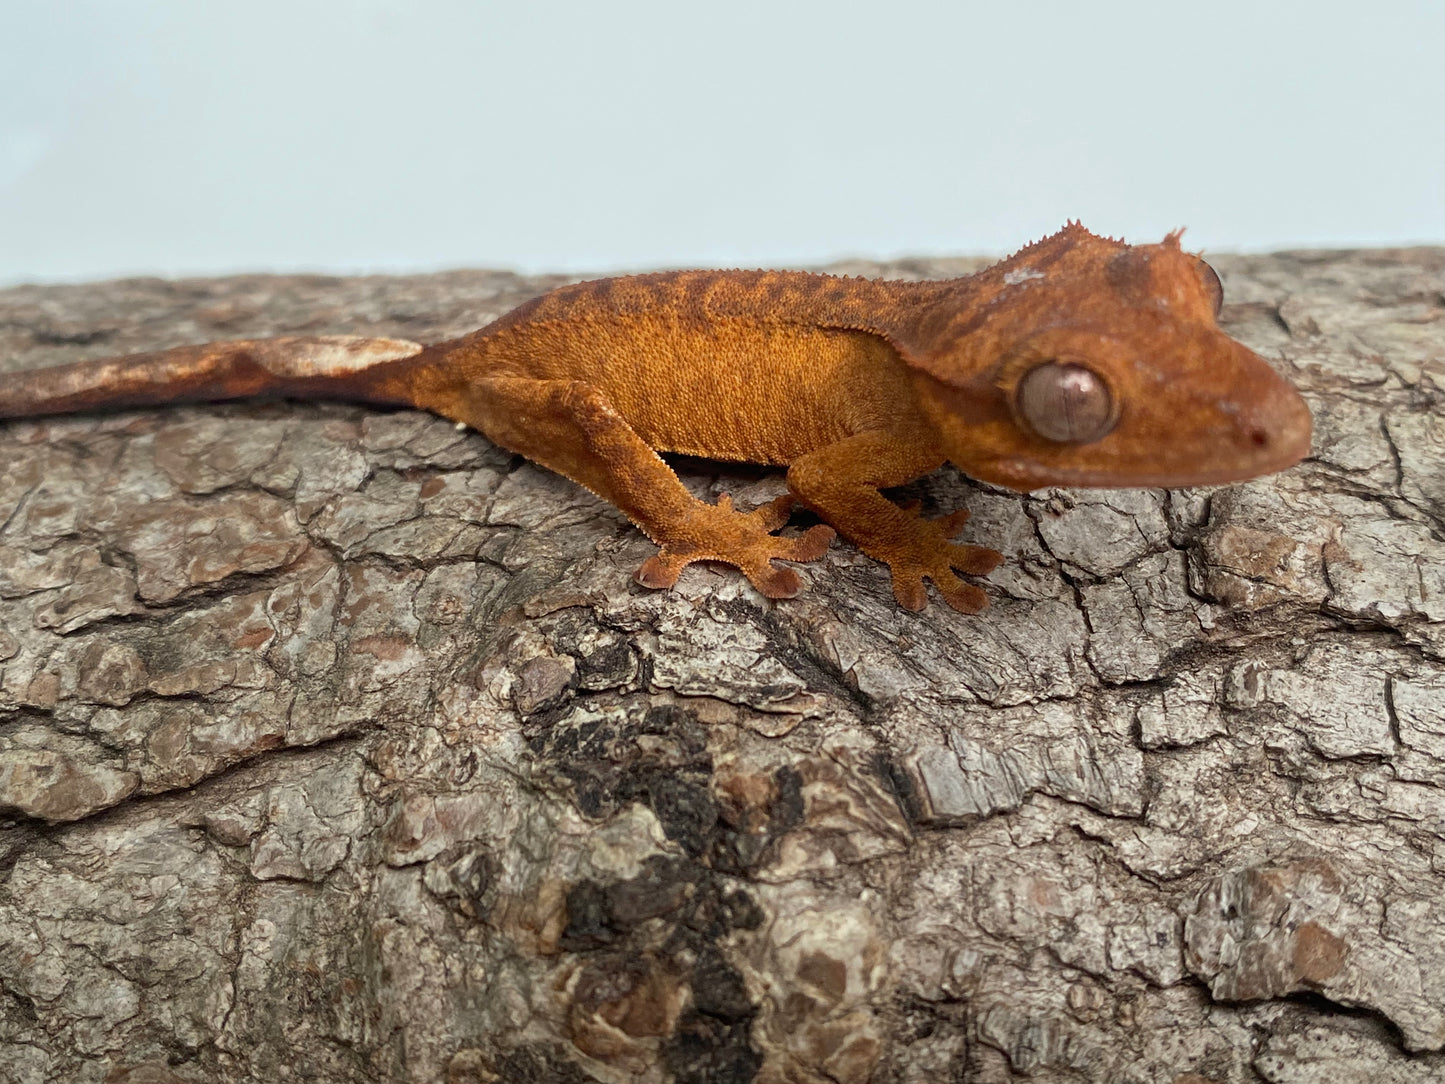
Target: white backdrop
x: 196, y: 136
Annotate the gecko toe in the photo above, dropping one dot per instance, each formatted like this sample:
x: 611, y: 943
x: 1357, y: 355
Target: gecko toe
x: 963, y: 597
x: 810, y: 545
x: 660, y: 571
x: 774, y: 514
x: 974, y: 560
x: 775, y: 582
x: 952, y: 523
x: 910, y: 592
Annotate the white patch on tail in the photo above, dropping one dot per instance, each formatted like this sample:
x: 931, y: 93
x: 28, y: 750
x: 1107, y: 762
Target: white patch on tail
x: 328, y: 355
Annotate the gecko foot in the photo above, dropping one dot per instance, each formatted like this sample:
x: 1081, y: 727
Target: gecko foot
x: 745, y: 540
x: 933, y: 557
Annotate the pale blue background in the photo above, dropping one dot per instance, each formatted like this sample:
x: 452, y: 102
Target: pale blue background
x: 194, y: 136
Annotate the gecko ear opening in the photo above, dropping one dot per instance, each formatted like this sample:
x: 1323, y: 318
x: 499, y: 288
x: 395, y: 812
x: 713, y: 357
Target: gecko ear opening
x: 1065, y: 403
x: 1212, y: 286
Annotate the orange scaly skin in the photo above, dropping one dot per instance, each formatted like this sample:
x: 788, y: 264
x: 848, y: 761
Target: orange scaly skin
x: 1078, y: 361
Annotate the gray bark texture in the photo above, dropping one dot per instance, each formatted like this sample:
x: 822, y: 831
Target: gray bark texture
x: 338, y: 745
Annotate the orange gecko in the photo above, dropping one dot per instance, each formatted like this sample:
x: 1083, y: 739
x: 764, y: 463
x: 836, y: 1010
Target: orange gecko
x: 1078, y: 361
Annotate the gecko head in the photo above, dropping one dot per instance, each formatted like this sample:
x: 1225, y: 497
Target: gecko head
x: 1083, y: 361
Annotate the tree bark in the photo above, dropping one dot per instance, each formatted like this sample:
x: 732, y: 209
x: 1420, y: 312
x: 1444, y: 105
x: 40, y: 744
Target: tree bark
x: 338, y: 745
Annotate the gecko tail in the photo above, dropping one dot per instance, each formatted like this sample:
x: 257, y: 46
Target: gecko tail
x: 347, y: 367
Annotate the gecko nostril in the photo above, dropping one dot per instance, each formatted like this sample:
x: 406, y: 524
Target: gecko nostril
x: 1258, y: 437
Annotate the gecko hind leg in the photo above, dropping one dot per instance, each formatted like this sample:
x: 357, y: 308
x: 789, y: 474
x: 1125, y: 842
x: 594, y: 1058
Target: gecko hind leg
x: 570, y: 427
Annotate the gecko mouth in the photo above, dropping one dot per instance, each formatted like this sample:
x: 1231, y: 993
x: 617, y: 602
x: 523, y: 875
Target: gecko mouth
x: 1262, y: 453
x: 1024, y: 474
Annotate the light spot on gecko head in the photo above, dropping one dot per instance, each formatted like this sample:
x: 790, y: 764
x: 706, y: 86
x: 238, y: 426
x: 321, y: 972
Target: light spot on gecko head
x: 1021, y: 274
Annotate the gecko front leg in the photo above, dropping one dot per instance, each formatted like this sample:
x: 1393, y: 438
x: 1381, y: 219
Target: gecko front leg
x: 570, y: 427
x: 841, y: 482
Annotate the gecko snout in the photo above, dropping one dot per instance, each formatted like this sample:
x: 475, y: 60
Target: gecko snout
x: 1274, y: 422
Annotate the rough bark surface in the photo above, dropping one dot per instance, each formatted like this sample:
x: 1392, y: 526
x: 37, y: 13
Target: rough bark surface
x: 338, y: 745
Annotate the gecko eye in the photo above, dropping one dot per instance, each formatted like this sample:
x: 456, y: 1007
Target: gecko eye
x: 1212, y: 286
x: 1066, y: 403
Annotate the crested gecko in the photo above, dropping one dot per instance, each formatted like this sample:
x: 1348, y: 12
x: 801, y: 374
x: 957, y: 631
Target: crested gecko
x: 1077, y: 361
